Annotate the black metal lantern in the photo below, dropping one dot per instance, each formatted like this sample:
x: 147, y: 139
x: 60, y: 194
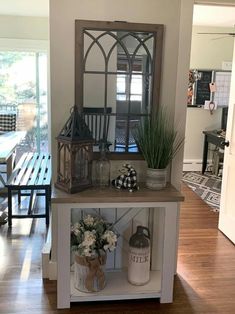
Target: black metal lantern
x: 75, y: 149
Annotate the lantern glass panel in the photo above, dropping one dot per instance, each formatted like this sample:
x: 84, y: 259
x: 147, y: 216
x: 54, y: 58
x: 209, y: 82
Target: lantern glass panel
x: 81, y: 165
x: 64, y: 162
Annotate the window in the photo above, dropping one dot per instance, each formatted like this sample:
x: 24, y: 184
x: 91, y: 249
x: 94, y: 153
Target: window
x: 23, y: 89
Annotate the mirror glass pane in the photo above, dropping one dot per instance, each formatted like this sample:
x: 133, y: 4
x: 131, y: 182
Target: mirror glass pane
x: 93, y: 90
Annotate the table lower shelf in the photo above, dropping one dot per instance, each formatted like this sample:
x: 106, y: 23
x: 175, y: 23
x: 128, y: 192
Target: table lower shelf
x: 118, y: 288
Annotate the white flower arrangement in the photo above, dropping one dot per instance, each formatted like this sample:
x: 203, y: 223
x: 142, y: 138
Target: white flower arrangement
x: 91, y: 235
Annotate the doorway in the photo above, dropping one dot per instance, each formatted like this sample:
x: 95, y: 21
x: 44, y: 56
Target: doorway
x: 24, y: 105
x: 211, y: 52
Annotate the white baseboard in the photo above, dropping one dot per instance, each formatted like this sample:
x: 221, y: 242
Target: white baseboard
x: 52, y: 270
x: 45, y: 260
x: 49, y: 268
x: 194, y: 164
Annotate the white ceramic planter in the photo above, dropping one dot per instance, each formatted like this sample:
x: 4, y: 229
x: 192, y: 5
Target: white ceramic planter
x: 156, y: 178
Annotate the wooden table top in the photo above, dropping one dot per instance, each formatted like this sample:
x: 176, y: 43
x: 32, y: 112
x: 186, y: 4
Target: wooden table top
x: 113, y: 195
x: 8, y: 142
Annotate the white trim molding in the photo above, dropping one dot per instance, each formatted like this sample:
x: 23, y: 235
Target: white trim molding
x: 9, y: 44
x: 229, y: 3
x: 194, y: 164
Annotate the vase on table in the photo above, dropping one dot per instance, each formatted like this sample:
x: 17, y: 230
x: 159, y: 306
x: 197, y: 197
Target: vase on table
x: 102, y: 166
x: 156, y: 178
x: 139, y: 257
x: 89, y: 272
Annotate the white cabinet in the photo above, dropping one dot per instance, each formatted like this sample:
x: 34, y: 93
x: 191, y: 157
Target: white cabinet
x: 159, y: 210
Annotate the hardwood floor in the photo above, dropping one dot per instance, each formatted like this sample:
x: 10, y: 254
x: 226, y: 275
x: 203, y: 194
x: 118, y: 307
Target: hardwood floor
x: 205, y: 280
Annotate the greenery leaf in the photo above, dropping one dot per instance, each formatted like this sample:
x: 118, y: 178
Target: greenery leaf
x: 157, y: 140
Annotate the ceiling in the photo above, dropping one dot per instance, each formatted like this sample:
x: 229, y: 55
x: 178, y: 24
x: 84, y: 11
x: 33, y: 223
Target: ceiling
x: 222, y: 16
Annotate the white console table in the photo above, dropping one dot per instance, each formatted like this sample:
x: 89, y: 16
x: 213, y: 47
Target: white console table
x: 159, y: 210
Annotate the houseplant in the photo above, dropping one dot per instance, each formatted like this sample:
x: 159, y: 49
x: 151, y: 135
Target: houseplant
x: 158, y: 141
x: 91, y: 238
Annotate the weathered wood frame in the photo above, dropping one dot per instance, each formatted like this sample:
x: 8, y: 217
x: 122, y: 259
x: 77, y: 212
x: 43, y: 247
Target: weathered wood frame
x: 156, y: 29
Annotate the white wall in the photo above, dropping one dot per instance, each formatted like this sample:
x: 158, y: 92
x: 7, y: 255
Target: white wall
x: 177, y: 19
x: 206, y: 53
x: 199, y: 120
x: 167, y: 12
x: 24, y: 27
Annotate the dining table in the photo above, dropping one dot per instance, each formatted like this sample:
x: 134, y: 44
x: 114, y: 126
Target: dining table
x: 8, y: 144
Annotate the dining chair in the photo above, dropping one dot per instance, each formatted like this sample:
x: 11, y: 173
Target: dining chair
x: 7, y: 121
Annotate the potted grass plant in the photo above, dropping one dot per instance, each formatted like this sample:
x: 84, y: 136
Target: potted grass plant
x: 158, y: 141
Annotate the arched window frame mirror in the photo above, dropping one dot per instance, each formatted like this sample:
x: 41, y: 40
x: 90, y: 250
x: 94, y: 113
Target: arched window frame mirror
x: 155, y: 31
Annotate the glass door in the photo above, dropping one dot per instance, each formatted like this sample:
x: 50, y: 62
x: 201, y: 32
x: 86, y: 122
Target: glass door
x: 23, y: 90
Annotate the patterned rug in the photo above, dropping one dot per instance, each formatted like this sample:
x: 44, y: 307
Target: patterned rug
x: 207, y: 186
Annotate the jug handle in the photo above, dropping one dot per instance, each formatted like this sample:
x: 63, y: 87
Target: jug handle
x: 147, y: 230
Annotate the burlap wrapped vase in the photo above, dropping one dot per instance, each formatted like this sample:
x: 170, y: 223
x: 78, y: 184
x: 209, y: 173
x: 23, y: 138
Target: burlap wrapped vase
x: 89, y: 272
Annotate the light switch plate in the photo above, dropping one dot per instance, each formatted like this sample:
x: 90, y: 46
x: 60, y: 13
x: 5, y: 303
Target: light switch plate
x: 227, y: 65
